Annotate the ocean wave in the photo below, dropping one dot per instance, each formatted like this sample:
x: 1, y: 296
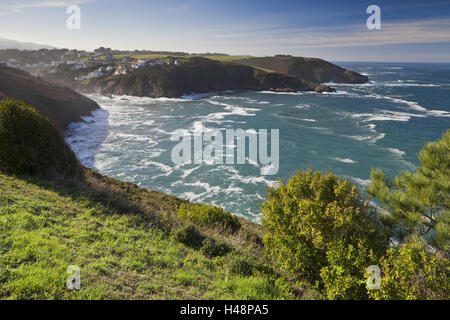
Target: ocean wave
x: 413, y: 105
x: 210, y: 190
x: 344, y: 160
x: 361, y: 182
x: 370, y: 138
x: 231, y: 110
x: 384, y: 115
x: 188, y: 172
x: 134, y: 99
x: 294, y: 118
x: 407, y: 83
x: 417, y: 107
x: 283, y: 93
x: 397, y: 152
x: 234, y: 174
x: 165, y: 169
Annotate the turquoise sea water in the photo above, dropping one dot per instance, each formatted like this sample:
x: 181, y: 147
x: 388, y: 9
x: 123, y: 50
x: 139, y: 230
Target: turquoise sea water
x: 383, y: 124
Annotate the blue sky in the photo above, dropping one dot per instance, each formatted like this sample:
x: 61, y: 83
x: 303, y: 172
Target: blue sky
x: 412, y: 31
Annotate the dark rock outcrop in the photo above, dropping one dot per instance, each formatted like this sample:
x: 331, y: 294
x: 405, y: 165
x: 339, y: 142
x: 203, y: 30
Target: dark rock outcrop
x: 310, y: 69
x: 196, y: 75
x: 60, y: 104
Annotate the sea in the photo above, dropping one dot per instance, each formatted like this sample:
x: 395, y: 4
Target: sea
x: 382, y: 124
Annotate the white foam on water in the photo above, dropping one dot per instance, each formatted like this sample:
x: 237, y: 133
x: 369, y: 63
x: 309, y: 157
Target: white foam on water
x: 231, y: 110
x: 294, y: 118
x: 136, y: 100
x: 164, y: 168
x: 188, y: 172
x: 408, y: 83
x: 361, y: 182
x: 412, y: 105
x: 384, y: 115
x: 372, y: 139
x: 399, y: 155
x: 344, y: 160
x: 397, y: 152
x: 234, y: 174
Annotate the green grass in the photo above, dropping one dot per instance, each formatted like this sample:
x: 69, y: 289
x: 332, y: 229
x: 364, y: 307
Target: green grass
x: 226, y: 58
x: 165, y: 56
x: 121, y: 251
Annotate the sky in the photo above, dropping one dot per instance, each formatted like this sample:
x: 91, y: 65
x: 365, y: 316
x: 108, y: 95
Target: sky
x: 411, y: 31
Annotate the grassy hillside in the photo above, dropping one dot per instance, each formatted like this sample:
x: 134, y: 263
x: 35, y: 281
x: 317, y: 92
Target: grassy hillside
x: 127, y: 242
x: 162, y: 56
x: 309, y: 69
x: 60, y: 104
x: 127, y: 247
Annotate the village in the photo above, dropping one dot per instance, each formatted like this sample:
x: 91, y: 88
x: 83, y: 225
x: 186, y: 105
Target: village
x: 83, y: 65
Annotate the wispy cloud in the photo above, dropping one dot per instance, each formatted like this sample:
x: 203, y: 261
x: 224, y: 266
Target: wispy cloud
x: 419, y: 31
x: 18, y: 7
x: 180, y: 8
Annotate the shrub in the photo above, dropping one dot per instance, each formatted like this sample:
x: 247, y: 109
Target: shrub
x: 190, y: 237
x: 241, y: 266
x: 410, y: 272
x: 344, y: 275
x: 31, y: 144
x: 313, y: 219
x: 206, y: 215
x: 212, y: 248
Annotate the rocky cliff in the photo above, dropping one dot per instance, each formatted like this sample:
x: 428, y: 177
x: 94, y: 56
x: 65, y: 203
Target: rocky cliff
x: 310, y: 69
x: 196, y: 75
x: 60, y: 104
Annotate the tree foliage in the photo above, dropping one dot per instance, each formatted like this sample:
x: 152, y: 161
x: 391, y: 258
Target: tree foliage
x: 320, y: 229
x: 419, y: 203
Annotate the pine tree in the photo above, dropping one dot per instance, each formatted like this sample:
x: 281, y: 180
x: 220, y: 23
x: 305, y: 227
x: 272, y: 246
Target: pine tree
x: 418, y: 204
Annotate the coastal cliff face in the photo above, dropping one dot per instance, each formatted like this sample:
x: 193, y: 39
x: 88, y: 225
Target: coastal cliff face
x: 60, y: 104
x: 197, y: 75
x: 310, y: 69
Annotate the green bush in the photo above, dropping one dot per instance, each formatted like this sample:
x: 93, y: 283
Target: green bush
x: 410, y: 272
x: 344, y: 275
x: 314, y: 219
x: 213, y: 248
x: 31, y: 144
x: 206, y: 215
x: 190, y: 237
x: 241, y: 266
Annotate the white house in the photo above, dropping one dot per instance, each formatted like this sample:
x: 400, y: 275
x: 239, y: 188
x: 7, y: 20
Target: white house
x: 121, y: 70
